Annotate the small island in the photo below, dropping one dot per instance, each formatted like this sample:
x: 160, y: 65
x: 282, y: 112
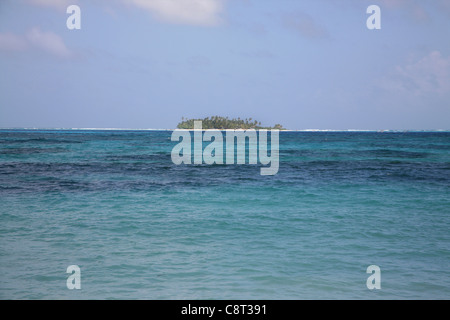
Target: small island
x: 223, y: 123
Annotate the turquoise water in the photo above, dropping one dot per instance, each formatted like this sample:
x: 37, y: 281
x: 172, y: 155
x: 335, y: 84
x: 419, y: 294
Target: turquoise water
x: 140, y: 227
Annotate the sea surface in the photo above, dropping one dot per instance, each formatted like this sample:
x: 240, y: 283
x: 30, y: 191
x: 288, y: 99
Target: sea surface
x: 140, y: 227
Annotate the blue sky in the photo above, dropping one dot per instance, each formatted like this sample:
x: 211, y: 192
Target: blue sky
x: 147, y: 63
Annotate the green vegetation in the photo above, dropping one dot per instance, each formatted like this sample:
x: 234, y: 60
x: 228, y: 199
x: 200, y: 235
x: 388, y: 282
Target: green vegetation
x: 216, y: 122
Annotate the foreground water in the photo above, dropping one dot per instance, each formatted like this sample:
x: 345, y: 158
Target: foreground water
x: 140, y: 227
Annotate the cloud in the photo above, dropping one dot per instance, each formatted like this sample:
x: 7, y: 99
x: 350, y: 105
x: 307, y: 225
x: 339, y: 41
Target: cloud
x: 12, y: 42
x: 304, y: 25
x: 35, y: 39
x: 49, y: 42
x: 413, y: 9
x: 429, y: 75
x: 191, y: 12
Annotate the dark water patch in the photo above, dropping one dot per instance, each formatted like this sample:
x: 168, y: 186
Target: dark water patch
x: 107, y: 161
x: 155, y: 157
x: 38, y: 141
x: 28, y: 151
x: 388, y: 153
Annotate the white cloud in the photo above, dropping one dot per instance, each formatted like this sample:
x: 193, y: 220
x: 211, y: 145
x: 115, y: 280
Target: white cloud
x: 35, y: 39
x: 193, y: 12
x: 48, y: 41
x: 429, y: 75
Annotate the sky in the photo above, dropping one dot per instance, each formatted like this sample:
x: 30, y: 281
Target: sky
x: 310, y: 64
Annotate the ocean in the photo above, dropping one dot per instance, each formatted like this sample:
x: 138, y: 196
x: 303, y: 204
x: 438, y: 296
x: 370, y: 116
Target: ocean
x: 140, y: 227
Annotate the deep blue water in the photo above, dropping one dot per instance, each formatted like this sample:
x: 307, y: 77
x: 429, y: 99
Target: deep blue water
x: 140, y: 227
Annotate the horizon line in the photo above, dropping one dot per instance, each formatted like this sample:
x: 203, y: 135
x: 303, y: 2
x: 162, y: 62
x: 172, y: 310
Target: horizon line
x: 285, y: 130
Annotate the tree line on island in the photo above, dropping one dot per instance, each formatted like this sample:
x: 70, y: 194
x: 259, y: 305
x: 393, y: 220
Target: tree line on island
x: 222, y: 123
